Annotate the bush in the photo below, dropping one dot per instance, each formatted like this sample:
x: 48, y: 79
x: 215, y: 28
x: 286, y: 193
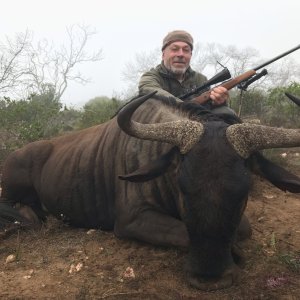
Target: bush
x: 280, y: 110
x: 251, y: 103
x: 272, y: 107
x: 36, y: 118
x: 99, y: 110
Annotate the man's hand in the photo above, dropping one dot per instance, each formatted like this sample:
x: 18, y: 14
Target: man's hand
x: 219, y: 95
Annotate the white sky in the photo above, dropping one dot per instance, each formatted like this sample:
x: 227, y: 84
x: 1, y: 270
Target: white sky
x: 127, y: 27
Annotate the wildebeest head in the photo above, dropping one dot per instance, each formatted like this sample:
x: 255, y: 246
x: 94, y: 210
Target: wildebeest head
x: 213, y: 182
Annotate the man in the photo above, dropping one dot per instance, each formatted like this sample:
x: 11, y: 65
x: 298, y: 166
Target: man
x: 175, y: 77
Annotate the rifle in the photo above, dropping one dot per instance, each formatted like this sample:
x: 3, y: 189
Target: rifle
x: 241, y: 79
x: 221, y: 76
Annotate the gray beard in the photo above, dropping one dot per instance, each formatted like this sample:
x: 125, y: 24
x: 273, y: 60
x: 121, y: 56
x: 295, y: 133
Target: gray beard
x: 178, y: 71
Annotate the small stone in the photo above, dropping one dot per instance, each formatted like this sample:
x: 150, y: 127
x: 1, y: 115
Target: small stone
x: 10, y: 258
x: 79, y: 267
x: 268, y: 196
x: 75, y: 268
x: 129, y: 273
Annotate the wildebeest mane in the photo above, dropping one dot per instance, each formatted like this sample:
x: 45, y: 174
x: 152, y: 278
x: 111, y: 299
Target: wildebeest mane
x: 195, y: 111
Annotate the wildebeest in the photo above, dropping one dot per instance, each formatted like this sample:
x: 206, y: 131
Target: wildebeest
x: 174, y: 175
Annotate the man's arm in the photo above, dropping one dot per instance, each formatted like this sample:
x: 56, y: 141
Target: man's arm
x: 150, y: 82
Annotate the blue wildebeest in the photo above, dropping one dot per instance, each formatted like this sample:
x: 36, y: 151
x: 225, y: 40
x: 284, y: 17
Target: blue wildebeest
x: 170, y: 174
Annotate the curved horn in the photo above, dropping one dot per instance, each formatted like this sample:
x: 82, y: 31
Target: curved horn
x: 181, y: 133
x: 293, y: 98
x: 247, y: 138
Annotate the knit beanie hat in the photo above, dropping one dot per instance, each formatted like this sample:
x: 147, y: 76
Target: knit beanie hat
x: 175, y: 36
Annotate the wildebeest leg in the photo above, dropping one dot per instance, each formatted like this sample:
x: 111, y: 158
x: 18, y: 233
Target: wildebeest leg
x: 26, y: 202
x: 21, y: 175
x: 159, y: 229
x: 28, y: 213
x: 244, y: 232
x: 153, y: 227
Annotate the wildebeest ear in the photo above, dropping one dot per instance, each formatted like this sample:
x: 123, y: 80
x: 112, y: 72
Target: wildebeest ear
x: 277, y: 175
x: 152, y: 169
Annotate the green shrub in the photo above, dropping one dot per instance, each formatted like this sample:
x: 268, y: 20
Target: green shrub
x: 99, y: 110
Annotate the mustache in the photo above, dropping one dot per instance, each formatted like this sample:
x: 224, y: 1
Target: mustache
x: 179, y: 60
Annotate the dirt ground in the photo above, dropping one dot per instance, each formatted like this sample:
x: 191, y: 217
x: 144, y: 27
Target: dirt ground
x: 61, y: 262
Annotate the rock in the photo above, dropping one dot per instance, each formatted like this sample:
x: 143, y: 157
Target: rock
x: 10, y: 258
x: 129, y: 273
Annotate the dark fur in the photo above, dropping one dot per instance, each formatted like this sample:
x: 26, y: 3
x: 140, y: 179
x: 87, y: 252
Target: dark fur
x: 194, y: 200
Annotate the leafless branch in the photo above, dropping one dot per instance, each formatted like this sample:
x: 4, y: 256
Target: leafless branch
x: 11, y: 60
x: 27, y: 67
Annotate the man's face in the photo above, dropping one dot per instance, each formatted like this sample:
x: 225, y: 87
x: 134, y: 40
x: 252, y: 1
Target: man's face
x: 176, y: 57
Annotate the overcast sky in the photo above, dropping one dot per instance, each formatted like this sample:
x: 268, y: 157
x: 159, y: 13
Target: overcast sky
x: 127, y: 27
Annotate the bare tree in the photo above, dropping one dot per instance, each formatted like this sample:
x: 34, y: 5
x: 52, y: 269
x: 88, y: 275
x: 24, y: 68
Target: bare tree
x: 133, y: 70
x: 33, y: 68
x: 12, y: 52
x: 283, y: 72
x: 207, y: 59
x: 49, y: 66
x: 143, y: 62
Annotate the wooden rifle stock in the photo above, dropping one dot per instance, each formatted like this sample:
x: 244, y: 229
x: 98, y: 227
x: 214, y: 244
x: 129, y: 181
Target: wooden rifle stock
x: 204, y: 97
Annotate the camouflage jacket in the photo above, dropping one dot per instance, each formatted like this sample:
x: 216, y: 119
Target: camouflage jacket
x: 165, y: 83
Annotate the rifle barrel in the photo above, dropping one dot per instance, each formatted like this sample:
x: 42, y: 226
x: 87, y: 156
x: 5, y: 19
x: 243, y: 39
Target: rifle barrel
x: 277, y: 57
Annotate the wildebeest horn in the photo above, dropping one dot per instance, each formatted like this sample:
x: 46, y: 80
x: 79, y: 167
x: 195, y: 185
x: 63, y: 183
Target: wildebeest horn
x: 293, y: 98
x: 246, y: 138
x: 183, y: 133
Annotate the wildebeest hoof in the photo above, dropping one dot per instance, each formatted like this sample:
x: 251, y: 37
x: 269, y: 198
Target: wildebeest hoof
x: 229, y: 278
x: 28, y: 213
